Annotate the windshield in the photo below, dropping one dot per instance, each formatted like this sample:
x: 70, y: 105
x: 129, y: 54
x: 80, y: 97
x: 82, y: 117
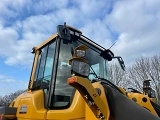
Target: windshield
x: 98, y: 65
x: 98, y: 70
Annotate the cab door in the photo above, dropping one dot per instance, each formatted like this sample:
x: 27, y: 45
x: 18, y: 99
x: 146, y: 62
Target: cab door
x: 64, y: 102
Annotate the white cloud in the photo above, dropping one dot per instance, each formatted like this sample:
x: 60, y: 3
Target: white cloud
x: 11, y: 48
x: 18, y: 40
x: 97, y: 31
x: 93, y: 9
x: 139, y: 27
x: 136, y: 23
x: 9, y: 85
x: 11, y: 10
x: 50, y: 5
x: 8, y: 38
x: 6, y: 79
x: 33, y: 29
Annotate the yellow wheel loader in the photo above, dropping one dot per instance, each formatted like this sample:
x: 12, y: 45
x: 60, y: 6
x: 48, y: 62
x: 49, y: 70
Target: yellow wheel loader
x: 69, y: 82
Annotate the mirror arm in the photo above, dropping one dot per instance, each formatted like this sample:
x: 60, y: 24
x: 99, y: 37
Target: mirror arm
x: 121, y: 62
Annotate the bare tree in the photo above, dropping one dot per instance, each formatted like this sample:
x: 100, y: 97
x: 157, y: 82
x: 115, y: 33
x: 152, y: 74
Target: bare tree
x: 117, y: 75
x: 7, y: 99
x: 146, y: 68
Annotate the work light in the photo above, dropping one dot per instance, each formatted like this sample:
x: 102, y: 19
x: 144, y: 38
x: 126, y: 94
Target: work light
x: 80, y: 68
x: 80, y: 53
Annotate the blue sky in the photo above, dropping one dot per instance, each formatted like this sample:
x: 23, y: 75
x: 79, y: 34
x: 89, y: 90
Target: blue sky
x: 26, y: 23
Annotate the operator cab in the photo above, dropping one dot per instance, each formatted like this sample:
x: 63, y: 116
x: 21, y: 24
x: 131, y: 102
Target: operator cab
x: 51, y: 67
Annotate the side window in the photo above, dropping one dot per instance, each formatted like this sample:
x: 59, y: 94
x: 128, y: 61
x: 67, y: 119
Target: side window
x: 44, y: 67
x: 49, y: 62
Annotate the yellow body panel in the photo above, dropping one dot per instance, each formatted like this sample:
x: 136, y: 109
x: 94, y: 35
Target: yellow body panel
x: 89, y: 114
x: 142, y: 100
x: 99, y: 105
x: 75, y: 112
x: 34, y: 103
x: 35, y: 108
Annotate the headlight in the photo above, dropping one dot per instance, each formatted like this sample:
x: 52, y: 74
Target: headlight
x: 80, y: 68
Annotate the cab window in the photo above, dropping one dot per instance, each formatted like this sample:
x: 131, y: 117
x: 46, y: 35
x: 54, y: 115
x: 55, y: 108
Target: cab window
x: 44, y: 66
x: 63, y: 93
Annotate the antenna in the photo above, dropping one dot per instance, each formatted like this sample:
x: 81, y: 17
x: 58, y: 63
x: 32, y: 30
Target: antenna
x: 120, y: 60
x: 113, y: 44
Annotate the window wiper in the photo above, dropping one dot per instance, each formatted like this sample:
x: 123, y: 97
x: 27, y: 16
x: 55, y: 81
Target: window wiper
x: 94, y: 73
